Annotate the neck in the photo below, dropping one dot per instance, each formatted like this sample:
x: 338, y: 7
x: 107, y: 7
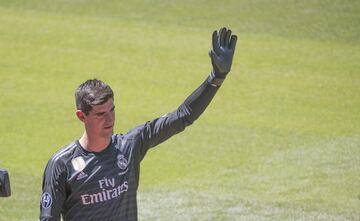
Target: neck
x: 97, y: 144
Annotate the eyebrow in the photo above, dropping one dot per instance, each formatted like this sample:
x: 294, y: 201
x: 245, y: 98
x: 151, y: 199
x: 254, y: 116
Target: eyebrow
x: 103, y: 112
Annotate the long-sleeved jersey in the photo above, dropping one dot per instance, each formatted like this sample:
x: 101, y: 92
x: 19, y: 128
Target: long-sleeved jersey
x: 81, y: 185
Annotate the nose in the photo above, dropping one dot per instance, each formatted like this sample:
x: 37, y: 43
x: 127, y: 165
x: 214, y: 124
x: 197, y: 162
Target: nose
x: 110, y: 117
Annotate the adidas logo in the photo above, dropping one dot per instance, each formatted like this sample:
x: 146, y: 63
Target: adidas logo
x: 81, y: 175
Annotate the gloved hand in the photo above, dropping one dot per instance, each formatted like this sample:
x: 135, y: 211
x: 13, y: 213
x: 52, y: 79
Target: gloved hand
x: 222, y: 52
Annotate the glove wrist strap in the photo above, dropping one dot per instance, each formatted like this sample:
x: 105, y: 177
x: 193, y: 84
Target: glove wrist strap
x: 215, y: 81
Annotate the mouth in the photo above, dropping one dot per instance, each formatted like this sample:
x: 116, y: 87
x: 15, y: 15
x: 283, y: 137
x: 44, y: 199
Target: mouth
x: 108, y: 127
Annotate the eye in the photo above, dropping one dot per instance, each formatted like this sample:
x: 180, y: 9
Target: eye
x: 100, y: 114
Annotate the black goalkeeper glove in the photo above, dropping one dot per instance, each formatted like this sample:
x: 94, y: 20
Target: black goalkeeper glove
x: 222, y: 52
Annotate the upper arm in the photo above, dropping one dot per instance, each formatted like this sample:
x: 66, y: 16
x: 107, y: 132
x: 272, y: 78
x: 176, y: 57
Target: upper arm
x: 53, y: 191
x: 162, y: 128
x: 156, y: 131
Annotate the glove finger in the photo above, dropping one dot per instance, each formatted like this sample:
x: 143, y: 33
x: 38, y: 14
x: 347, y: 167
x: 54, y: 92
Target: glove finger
x: 214, y: 61
x: 212, y: 55
x: 233, y: 41
x: 227, y: 38
x: 222, y: 34
x: 215, y: 42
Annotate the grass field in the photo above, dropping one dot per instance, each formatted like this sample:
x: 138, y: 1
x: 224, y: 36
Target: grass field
x: 280, y: 141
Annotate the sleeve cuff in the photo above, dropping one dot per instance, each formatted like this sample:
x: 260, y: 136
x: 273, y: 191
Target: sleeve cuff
x: 215, y: 81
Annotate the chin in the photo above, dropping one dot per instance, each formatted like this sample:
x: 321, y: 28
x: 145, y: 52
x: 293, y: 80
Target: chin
x: 107, y: 134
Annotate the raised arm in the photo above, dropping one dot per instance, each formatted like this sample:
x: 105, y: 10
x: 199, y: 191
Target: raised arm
x: 221, y: 55
x: 160, y: 129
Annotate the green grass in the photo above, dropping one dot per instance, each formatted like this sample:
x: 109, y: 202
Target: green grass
x: 280, y: 141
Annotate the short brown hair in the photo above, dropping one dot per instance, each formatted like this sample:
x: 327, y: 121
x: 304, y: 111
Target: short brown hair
x: 92, y: 92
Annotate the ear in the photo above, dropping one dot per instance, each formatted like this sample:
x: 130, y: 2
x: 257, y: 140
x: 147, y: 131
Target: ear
x: 80, y: 115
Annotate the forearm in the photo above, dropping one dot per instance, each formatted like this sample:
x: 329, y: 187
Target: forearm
x: 221, y: 58
x: 197, y: 102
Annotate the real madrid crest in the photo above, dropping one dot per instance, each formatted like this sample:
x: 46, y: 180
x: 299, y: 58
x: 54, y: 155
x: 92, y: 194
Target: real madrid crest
x: 122, y: 163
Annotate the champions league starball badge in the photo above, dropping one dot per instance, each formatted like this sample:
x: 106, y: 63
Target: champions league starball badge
x: 46, y: 200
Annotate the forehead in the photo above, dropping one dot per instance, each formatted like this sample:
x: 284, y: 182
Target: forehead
x: 108, y: 105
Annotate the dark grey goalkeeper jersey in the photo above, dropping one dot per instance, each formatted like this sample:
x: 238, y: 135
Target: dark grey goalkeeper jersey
x: 82, y: 185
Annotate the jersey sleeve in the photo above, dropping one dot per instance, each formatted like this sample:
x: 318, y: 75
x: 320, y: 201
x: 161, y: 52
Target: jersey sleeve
x: 53, y: 190
x: 160, y: 129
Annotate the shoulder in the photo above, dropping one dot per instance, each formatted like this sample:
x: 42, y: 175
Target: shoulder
x: 135, y: 132
x: 124, y: 141
x: 148, y: 126
x: 56, y: 169
x: 62, y: 156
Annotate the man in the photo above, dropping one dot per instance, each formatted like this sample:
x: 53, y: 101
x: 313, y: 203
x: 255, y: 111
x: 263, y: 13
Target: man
x: 97, y: 176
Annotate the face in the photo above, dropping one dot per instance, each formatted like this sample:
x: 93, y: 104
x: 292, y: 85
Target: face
x: 99, y: 123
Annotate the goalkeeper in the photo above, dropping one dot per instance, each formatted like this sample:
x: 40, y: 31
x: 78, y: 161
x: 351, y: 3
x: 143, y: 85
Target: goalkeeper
x: 97, y: 176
